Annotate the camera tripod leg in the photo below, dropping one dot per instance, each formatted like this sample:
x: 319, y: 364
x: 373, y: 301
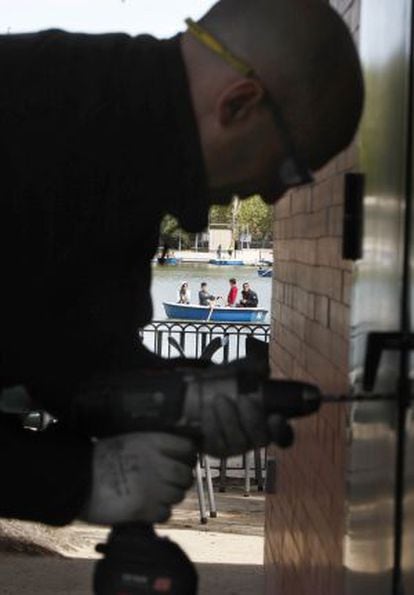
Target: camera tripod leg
x: 223, y: 471
x: 247, y: 464
x: 210, y: 490
x: 258, y: 469
x: 200, y: 493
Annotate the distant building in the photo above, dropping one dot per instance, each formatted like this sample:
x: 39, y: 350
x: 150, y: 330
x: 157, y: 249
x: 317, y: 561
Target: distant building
x: 220, y: 235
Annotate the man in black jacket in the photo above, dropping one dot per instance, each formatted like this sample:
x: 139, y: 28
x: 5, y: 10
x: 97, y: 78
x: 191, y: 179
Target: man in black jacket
x: 101, y: 135
x: 249, y: 297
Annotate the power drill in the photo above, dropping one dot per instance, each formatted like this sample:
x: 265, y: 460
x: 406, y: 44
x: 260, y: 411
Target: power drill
x: 136, y: 561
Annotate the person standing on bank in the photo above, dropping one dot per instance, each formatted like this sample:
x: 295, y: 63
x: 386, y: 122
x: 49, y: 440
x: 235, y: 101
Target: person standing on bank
x: 101, y: 135
x: 233, y: 291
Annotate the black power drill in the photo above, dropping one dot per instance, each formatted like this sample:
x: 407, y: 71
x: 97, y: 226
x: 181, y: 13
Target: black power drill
x: 137, y: 561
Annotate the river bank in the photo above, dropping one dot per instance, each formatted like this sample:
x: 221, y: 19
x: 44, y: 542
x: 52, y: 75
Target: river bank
x: 249, y: 256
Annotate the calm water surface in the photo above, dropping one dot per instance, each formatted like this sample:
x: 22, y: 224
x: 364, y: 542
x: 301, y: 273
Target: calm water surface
x: 167, y: 280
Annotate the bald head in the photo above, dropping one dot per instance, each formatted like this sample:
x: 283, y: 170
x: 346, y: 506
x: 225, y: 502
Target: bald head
x: 304, y: 54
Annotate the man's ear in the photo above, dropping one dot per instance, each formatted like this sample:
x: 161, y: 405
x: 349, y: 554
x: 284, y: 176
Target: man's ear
x: 238, y: 100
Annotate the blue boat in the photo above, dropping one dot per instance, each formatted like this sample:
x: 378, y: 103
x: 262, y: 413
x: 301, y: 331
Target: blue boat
x: 171, y: 260
x: 215, y: 314
x: 226, y: 262
x: 263, y: 272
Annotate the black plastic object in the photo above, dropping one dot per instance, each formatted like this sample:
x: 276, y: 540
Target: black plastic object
x: 353, y: 222
x: 377, y: 342
x: 291, y: 399
x: 137, y: 561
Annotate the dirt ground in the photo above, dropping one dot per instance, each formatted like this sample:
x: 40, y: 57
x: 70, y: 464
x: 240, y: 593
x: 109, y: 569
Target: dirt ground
x: 227, y: 551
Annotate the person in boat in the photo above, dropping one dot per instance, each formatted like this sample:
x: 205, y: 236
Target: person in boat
x: 249, y: 297
x: 205, y: 298
x: 233, y: 291
x: 184, y: 293
x: 253, y: 98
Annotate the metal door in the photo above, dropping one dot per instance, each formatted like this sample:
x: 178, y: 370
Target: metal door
x: 407, y: 578
x: 370, y: 544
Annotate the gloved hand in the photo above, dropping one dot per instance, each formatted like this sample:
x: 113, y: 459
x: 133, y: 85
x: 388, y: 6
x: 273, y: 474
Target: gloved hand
x: 138, y: 477
x: 231, y: 422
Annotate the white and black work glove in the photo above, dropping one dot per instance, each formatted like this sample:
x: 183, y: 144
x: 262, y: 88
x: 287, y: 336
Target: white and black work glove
x: 138, y: 477
x: 230, y: 421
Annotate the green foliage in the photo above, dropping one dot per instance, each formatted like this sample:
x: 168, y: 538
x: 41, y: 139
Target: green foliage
x: 220, y: 214
x: 170, y: 233
x: 252, y: 215
x: 256, y: 216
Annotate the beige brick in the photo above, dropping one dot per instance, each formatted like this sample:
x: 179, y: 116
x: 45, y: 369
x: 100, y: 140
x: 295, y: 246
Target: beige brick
x: 346, y: 287
x: 321, y: 310
x: 282, y: 229
x: 339, y: 318
x: 322, y: 195
x: 303, y: 302
x: 282, y: 208
x: 304, y: 251
x: 328, y: 282
x: 301, y: 200
x: 319, y: 337
x: 335, y: 220
x: 290, y: 342
x: 316, y: 224
x: 338, y: 189
x: 294, y: 321
x: 340, y: 352
x: 299, y: 225
x: 283, y: 360
x: 329, y: 252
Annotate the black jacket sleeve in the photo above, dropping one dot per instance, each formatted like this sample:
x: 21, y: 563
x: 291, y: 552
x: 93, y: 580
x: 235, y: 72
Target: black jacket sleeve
x: 45, y: 475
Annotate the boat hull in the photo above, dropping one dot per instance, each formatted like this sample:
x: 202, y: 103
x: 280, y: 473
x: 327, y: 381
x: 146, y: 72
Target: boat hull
x: 226, y: 262
x: 169, y: 260
x: 204, y: 313
x: 264, y: 272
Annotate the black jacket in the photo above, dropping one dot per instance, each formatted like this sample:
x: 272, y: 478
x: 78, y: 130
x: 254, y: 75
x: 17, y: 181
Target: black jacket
x: 97, y: 142
x: 249, y: 299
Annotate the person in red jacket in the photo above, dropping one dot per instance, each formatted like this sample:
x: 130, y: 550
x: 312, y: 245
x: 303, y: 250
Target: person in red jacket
x: 232, y: 295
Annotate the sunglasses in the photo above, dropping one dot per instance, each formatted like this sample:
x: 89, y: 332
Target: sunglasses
x: 293, y: 170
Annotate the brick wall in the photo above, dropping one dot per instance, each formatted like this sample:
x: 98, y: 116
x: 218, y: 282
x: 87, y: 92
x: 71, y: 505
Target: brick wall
x: 310, y: 327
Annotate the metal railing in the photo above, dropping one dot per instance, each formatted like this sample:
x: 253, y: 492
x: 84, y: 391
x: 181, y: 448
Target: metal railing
x: 170, y: 338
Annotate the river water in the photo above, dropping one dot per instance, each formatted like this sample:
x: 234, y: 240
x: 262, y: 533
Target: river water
x: 167, y: 280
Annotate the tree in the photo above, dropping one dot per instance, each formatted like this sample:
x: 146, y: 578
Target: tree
x: 256, y: 216
x: 252, y: 214
x: 220, y: 214
x: 173, y: 235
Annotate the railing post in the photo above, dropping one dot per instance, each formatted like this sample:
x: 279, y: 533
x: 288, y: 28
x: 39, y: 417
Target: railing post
x: 182, y: 339
x: 203, y: 335
x: 159, y: 335
x: 226, y: 350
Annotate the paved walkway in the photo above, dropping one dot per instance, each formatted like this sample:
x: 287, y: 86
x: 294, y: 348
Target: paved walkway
x: 228, y: 551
